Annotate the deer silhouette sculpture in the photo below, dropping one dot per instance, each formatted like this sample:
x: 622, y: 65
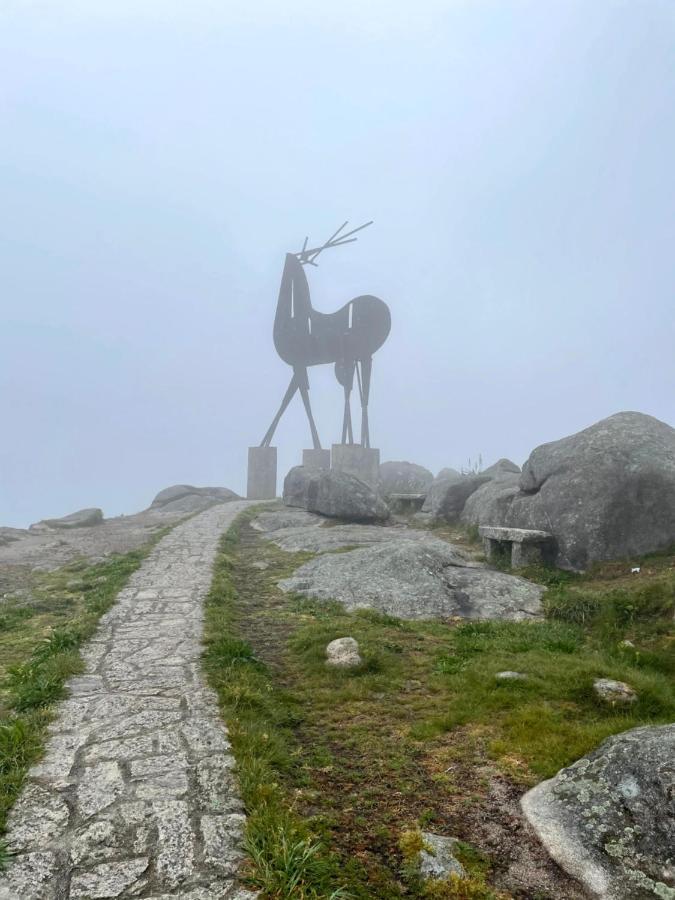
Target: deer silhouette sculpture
x: 349, y: 337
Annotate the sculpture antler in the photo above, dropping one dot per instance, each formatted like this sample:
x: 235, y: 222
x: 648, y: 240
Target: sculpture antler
x: 335, y: 240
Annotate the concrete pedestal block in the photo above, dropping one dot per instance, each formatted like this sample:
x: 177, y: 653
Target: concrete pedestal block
x: 361, y: 462
x: 262, y: 473
x: 316, y: 459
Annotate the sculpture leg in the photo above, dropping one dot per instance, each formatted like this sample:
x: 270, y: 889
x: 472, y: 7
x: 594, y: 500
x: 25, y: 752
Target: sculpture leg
x: 347, y: 431
x: 288, y: 396
x: 303, y: 385
x: 347, y: 381
x: 366, y: 368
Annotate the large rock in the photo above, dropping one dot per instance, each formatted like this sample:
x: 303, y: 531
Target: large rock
x: 187, y: 498
x: 404, y: 478
x: 83, y: 518
x: 605, y: 493
x: 416, y: 580
x: 490, y: 503
x: 446, y: 498
x: 334, y: 494
x: 609, y: 819
x: 436, y: 492
x: 296, y: 486
x: 448, y: 472
x: 451, y: 492
x: 501, y: 467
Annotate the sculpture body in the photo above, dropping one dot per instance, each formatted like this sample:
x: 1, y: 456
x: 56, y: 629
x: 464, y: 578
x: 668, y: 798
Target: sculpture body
x: 348, y: 338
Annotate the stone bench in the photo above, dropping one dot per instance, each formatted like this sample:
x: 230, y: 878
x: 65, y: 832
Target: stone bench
x: 406, y: 502
x: 524, y: 546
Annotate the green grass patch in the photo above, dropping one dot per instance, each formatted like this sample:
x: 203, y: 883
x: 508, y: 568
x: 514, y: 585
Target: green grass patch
x: 418, y: 735
x: 286, y: 858
x: 40, y: 637
x: 553, y: 716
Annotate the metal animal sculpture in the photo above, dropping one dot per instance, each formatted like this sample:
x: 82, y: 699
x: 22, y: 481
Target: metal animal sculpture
x: 348, y: 338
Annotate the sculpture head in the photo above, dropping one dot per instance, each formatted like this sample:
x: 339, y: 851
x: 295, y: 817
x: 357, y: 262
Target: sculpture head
x: 308, y: 257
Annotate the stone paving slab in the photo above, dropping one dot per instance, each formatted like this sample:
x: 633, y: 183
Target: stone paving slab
x: 135, y: 795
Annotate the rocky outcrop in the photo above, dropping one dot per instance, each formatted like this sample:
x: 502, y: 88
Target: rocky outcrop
x: 295, y: 529
x: 604, y: 493
x: 404, y: 478
x: 334, y: 494
x: 9, y: 535
x: 187, y: 498
x: 83, y: 518
x: 609, y: 819
x: 416, y: 580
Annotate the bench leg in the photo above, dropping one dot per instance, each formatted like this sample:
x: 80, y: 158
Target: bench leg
x: 525, y: 554
x: 490, y: 549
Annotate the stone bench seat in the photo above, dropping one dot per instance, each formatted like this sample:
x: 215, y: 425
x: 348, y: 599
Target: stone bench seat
x: 406, y: 501
x: 524, y: 545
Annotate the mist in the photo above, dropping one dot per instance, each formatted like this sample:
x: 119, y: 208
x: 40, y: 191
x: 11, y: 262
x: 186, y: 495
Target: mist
x: 157, y: 161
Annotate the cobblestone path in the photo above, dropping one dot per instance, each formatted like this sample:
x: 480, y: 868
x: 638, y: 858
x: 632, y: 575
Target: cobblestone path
x: 135, y: 796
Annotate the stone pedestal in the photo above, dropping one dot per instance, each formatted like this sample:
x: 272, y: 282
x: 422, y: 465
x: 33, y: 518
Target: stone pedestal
x: 262, y: 473
x: 316, y: 459
x: 361, y: 462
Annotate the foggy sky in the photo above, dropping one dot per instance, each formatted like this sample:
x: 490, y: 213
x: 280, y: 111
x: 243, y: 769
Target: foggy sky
x: 158, y: 159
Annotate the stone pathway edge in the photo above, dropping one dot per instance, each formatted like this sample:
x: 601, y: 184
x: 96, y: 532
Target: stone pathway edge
x: 135, y: 795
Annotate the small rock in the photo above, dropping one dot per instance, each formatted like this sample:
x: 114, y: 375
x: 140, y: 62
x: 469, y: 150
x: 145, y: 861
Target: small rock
x: 511, y: 676
x: 441, y: 861
x: 614, y: 692
x: 344, y: 653
x: 627, y: 645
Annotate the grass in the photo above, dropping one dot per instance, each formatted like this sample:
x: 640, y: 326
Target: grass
x: 40, y: 637
x: 419, y: 735
x: 287, y: 860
